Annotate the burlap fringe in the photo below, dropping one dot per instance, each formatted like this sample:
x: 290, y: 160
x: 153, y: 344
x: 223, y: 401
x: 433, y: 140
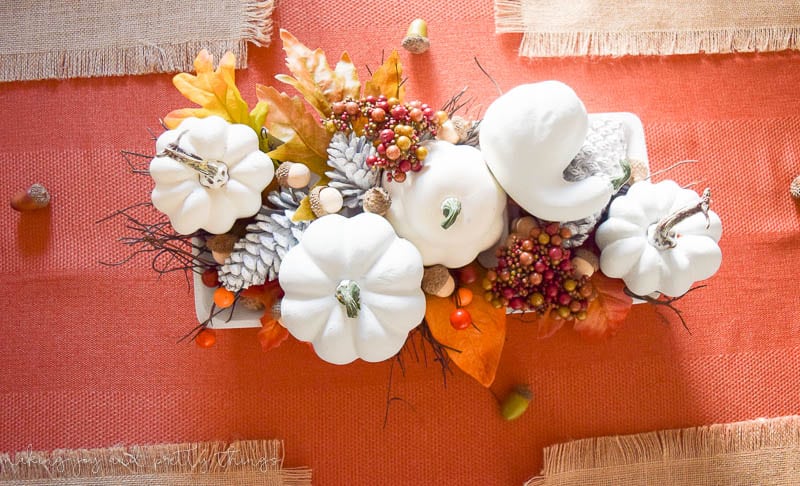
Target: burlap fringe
x: 509, y: 16
x: 264, y: 457
x: 141, y: 59
x: 560, y: 44
x: 669, y: 446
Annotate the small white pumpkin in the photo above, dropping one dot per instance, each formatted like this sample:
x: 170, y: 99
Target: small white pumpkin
x: 352, y: 288
x: 658, y: 239
x: 452, y: 209
x: 529, y: 136
x: 209, y: 173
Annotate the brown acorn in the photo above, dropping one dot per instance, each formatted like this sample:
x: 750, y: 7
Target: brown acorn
x: 436, y: 280
x: 36, y: 197
x: 377, y: 200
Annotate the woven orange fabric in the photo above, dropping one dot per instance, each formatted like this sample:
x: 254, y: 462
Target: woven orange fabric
x: 89, y: 356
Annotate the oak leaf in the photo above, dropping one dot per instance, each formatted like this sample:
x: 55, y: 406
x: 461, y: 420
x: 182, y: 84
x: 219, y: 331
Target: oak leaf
x: 476, y: 350
x: 387, y: 80
x: 608, y: 311
x: 216, y: 93
x: 313, y: 77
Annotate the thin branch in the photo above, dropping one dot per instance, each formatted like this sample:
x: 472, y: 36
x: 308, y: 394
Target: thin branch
x: 500, y: 91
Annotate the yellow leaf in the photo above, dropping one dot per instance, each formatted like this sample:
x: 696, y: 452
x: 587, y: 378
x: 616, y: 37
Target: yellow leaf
x: 305, y: 139
x: 476, y: 350
x: 214, y: 91
x: 313, y: 77
x: 304, y: 212
x: 387, y: 79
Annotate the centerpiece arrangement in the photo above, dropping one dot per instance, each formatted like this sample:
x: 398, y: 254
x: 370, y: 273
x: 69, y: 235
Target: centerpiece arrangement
x: 355, y: 216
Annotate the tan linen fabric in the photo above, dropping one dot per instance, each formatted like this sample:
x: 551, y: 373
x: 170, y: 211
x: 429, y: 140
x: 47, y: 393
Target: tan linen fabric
x: 555, y: 28
x: 213, y: 463
x: 41, y: 39
x: 765, y: 452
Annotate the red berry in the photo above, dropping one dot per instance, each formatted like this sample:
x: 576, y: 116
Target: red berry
x: 549, y: 275
x: 387, y: 135
x: 539, y: 266
x: 399, y: 176
x: 399, y: 112
x: 378, y: 114
x: 351, y: 107
x: 337, y: 108
x: 206, y: 338
x: 552, y: 229
x: 371, y: 161
x: 564, y: 299
x: 210, y: 277
x: 404, y: 165
x: 526, y: 258
x: 467, y: 275
x: 555, y: 253
x: 370, y: 99
x: 460, y: 319
x: 508, y: 292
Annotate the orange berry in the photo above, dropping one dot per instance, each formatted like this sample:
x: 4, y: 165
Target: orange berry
x: 206, y: 338
x: 464, y: 297
x: 223, y: 297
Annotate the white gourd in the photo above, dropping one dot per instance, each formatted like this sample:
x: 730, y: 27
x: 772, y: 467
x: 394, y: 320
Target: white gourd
x: 630, y: 247
x: 208, y: 173
x: 456, y: 181
x: 352, y: 288
x: 528, y: 136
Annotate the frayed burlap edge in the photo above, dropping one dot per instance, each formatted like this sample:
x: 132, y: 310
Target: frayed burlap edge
x: 256, y: 28
x: 260, y: 460
x: 748, y: 449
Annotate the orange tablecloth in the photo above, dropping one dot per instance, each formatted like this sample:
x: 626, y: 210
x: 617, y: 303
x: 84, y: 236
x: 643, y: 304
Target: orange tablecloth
x: 89, y: 356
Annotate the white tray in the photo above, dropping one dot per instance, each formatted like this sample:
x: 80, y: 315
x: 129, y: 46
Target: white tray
x: 244, y: 318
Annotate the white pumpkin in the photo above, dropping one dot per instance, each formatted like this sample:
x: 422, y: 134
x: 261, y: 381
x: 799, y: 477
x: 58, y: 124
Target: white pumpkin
x: 209, y: 173
x: 528, y: 136
x: 649, y: 242
x: 352, y: 288
x: 452, y: 209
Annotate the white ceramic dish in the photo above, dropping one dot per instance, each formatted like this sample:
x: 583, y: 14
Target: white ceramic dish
x: 243, y: 318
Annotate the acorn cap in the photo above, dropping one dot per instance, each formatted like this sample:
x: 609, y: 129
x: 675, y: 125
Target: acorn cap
x: 282, y: 173
x: 377, y: 200
x: 328, y: 203
x: 794, y: 188
x: 36, y: 197
x: 222, y: 243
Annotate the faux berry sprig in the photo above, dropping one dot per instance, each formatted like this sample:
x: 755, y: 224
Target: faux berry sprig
x: 535, y: 273
x: 396, y: 130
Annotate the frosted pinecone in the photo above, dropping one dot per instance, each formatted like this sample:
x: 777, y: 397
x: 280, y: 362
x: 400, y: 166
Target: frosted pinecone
x: 604, y: 148
x: 347, y: 156
x: 256, y: 258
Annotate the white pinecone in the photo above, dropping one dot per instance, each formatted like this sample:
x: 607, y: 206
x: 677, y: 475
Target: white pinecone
x: 347, y: 156
x: 256, y: 258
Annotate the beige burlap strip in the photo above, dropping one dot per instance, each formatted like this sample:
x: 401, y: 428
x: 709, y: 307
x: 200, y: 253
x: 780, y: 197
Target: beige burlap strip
x: 83, y: 38
x: 763, y: 452
x: 555, y: 28
x: 212, y: 463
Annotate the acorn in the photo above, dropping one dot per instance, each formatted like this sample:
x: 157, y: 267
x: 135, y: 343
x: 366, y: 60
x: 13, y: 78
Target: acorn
x: 436, y: 280
x: 377, y: 200
x: 585, y: 263
x: 325, y: 200
x: 36, y: 197
x: 292, y: 174
x: 448, y: 133
x: 222, y: 243
x: 416, y: 39
x: 516, y: 403
x: 794, y: 188
x: 462, y: 127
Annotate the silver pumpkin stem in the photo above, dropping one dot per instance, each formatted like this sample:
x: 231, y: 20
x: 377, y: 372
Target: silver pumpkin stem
x: 348, y: 293
x: 213, y: 173
x: 664, y: 237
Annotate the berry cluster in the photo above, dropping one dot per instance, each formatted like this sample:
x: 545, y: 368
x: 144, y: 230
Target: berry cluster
x: 534, y: 273
x: 396, y: 130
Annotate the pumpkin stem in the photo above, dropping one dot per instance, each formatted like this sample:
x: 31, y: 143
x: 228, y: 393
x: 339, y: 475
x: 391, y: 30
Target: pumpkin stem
x: 664, y: 237
x: 213, y: 173
x: 626, y: 175
x: 348, y: 293
x: 451, y: 208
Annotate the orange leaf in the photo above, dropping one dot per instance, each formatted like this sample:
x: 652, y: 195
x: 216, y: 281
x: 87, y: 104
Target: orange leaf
x: 478, y: 350
x: 272, y: 334
x: 214, y: 91
x: 547, y: 326
x: 387, y: 79
x: 607, y: 312
x: 305, y: 139
x: 313, y: 77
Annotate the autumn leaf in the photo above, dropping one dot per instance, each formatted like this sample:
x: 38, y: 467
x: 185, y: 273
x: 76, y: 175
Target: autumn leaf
x: 387, y: 80
x: 305, y: 139
x: 607, y: 312
x: 547, y: 326
x: 313, y: 77
x: 272, y: 334
x: 304, y: 212
x: 216, y: 93
x: 476, y: 350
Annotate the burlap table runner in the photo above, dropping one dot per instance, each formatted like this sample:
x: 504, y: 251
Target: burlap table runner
x: 79, y: 38
x: 764, y: 452
x: 555, y: 28
x: 243, y: 463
